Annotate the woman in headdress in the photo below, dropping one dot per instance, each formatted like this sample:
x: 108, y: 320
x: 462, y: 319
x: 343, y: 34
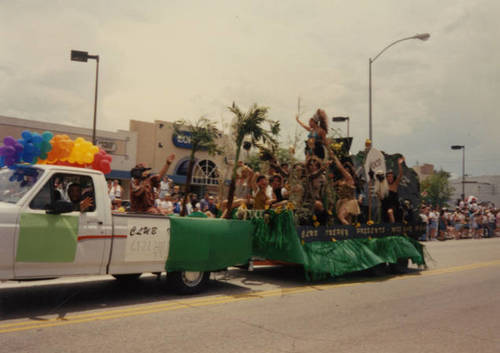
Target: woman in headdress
x: 318, y: 129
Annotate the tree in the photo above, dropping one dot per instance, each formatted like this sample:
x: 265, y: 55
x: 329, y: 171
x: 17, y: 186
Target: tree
x: 204, y: 136
x: 250, y: 124
x: 436, y: 189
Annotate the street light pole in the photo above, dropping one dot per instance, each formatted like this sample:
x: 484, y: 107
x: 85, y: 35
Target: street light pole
x: 83, y: 56
x: 461, y: 147
x: 463, y: 173
x: 422, y: 36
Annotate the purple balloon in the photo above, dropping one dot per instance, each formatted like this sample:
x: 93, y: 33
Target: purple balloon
x: 9, y: 140
x: 9, y: 151
x: 19, y: 147
x: 9, y: 160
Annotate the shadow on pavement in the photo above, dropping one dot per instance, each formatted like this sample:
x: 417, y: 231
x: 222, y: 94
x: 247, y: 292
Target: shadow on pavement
x: 65, y: 298
x: 61, y: 299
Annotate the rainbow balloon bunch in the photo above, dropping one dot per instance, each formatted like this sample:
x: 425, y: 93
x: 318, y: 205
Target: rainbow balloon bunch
x: 29, y: 148
x: 49, y: 149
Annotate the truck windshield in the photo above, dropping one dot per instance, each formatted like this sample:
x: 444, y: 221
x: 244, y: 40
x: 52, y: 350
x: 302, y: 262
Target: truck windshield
x: 15, y: 183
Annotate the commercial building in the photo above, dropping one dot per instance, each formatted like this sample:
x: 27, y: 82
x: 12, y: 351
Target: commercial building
x: 146, y: 142
x: 485, y: 188
x: 424, y: 171
x: 157, y: 140
x: 121, y: 145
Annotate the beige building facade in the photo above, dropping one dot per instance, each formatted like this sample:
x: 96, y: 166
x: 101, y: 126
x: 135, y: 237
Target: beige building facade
x: 424, y: 171
x: 156, y: 141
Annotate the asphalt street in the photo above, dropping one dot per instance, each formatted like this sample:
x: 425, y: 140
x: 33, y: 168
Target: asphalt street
x: 453, y: 306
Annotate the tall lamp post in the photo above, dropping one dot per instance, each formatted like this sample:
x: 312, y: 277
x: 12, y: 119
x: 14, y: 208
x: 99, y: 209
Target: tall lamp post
x: 422, y: 36
x: 341, y: 119
x: 461, y: 147
x: 83, y: 56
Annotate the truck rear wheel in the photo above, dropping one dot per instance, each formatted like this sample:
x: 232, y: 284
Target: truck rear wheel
x: 399, y: 267
x: 187, y: 282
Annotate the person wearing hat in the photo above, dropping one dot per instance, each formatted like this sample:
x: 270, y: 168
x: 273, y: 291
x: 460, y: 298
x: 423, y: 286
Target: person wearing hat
x: 142, y: 188
x: 368, y: 145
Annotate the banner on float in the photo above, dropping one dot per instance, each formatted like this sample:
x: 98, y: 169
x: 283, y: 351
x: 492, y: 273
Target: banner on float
x: 343, y: 232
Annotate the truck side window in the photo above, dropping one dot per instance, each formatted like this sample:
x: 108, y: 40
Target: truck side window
x: 77, y: 189
x: 42, y: 201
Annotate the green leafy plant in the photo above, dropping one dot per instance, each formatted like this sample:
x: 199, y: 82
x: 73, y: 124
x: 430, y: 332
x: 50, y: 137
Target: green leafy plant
x: 436, y: 189
x: 251, y: 125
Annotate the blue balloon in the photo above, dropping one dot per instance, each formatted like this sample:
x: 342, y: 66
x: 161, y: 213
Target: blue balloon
x: 36, y: 138
x: 26, y: 135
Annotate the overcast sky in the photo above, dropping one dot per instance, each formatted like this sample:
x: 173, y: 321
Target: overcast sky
x: 174, y: 60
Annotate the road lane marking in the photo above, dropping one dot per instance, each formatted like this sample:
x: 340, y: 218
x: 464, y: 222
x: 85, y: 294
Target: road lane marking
x: 193, y: 303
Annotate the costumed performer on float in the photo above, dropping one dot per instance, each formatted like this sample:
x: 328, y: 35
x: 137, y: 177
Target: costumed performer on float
x: 142, y: 193
x: 318, y: 129
x: 347, y: 205
x: 390, y: 204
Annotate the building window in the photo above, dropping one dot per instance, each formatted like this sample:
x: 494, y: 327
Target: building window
x: 205, y: 173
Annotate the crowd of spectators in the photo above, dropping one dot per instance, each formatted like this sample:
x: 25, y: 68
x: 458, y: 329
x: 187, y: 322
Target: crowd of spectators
x: 253, y: 190
x: 470, y: 219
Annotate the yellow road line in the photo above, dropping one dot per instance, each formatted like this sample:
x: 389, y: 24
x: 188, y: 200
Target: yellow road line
x: 190, y: 303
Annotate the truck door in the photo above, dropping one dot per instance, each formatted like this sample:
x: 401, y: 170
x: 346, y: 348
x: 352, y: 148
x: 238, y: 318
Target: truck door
x: 50, y: 244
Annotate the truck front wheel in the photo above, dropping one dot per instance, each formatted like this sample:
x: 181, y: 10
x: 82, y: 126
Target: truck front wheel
x: 187, y: 282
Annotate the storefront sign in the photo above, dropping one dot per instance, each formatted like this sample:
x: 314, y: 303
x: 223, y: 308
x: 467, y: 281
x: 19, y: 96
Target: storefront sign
x: 106, y: 145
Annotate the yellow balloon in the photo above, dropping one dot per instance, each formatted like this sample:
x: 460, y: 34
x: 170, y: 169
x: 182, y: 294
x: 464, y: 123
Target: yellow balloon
x: 88, y: 158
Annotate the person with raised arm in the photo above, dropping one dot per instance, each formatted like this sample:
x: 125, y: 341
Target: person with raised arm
x: 345, y: 187
x: 142, y: 187
x: 316, y: 139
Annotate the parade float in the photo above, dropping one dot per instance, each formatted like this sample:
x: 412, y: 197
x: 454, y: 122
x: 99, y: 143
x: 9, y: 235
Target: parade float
x: 290, y: 233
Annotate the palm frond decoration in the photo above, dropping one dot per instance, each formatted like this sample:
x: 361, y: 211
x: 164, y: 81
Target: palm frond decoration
x: 252, y: 125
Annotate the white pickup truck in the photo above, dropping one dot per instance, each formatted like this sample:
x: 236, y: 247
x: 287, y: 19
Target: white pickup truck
x: 43, y: 233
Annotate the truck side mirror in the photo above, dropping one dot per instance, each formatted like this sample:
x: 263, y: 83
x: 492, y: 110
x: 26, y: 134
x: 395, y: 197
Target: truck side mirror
x: 60, y: 206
